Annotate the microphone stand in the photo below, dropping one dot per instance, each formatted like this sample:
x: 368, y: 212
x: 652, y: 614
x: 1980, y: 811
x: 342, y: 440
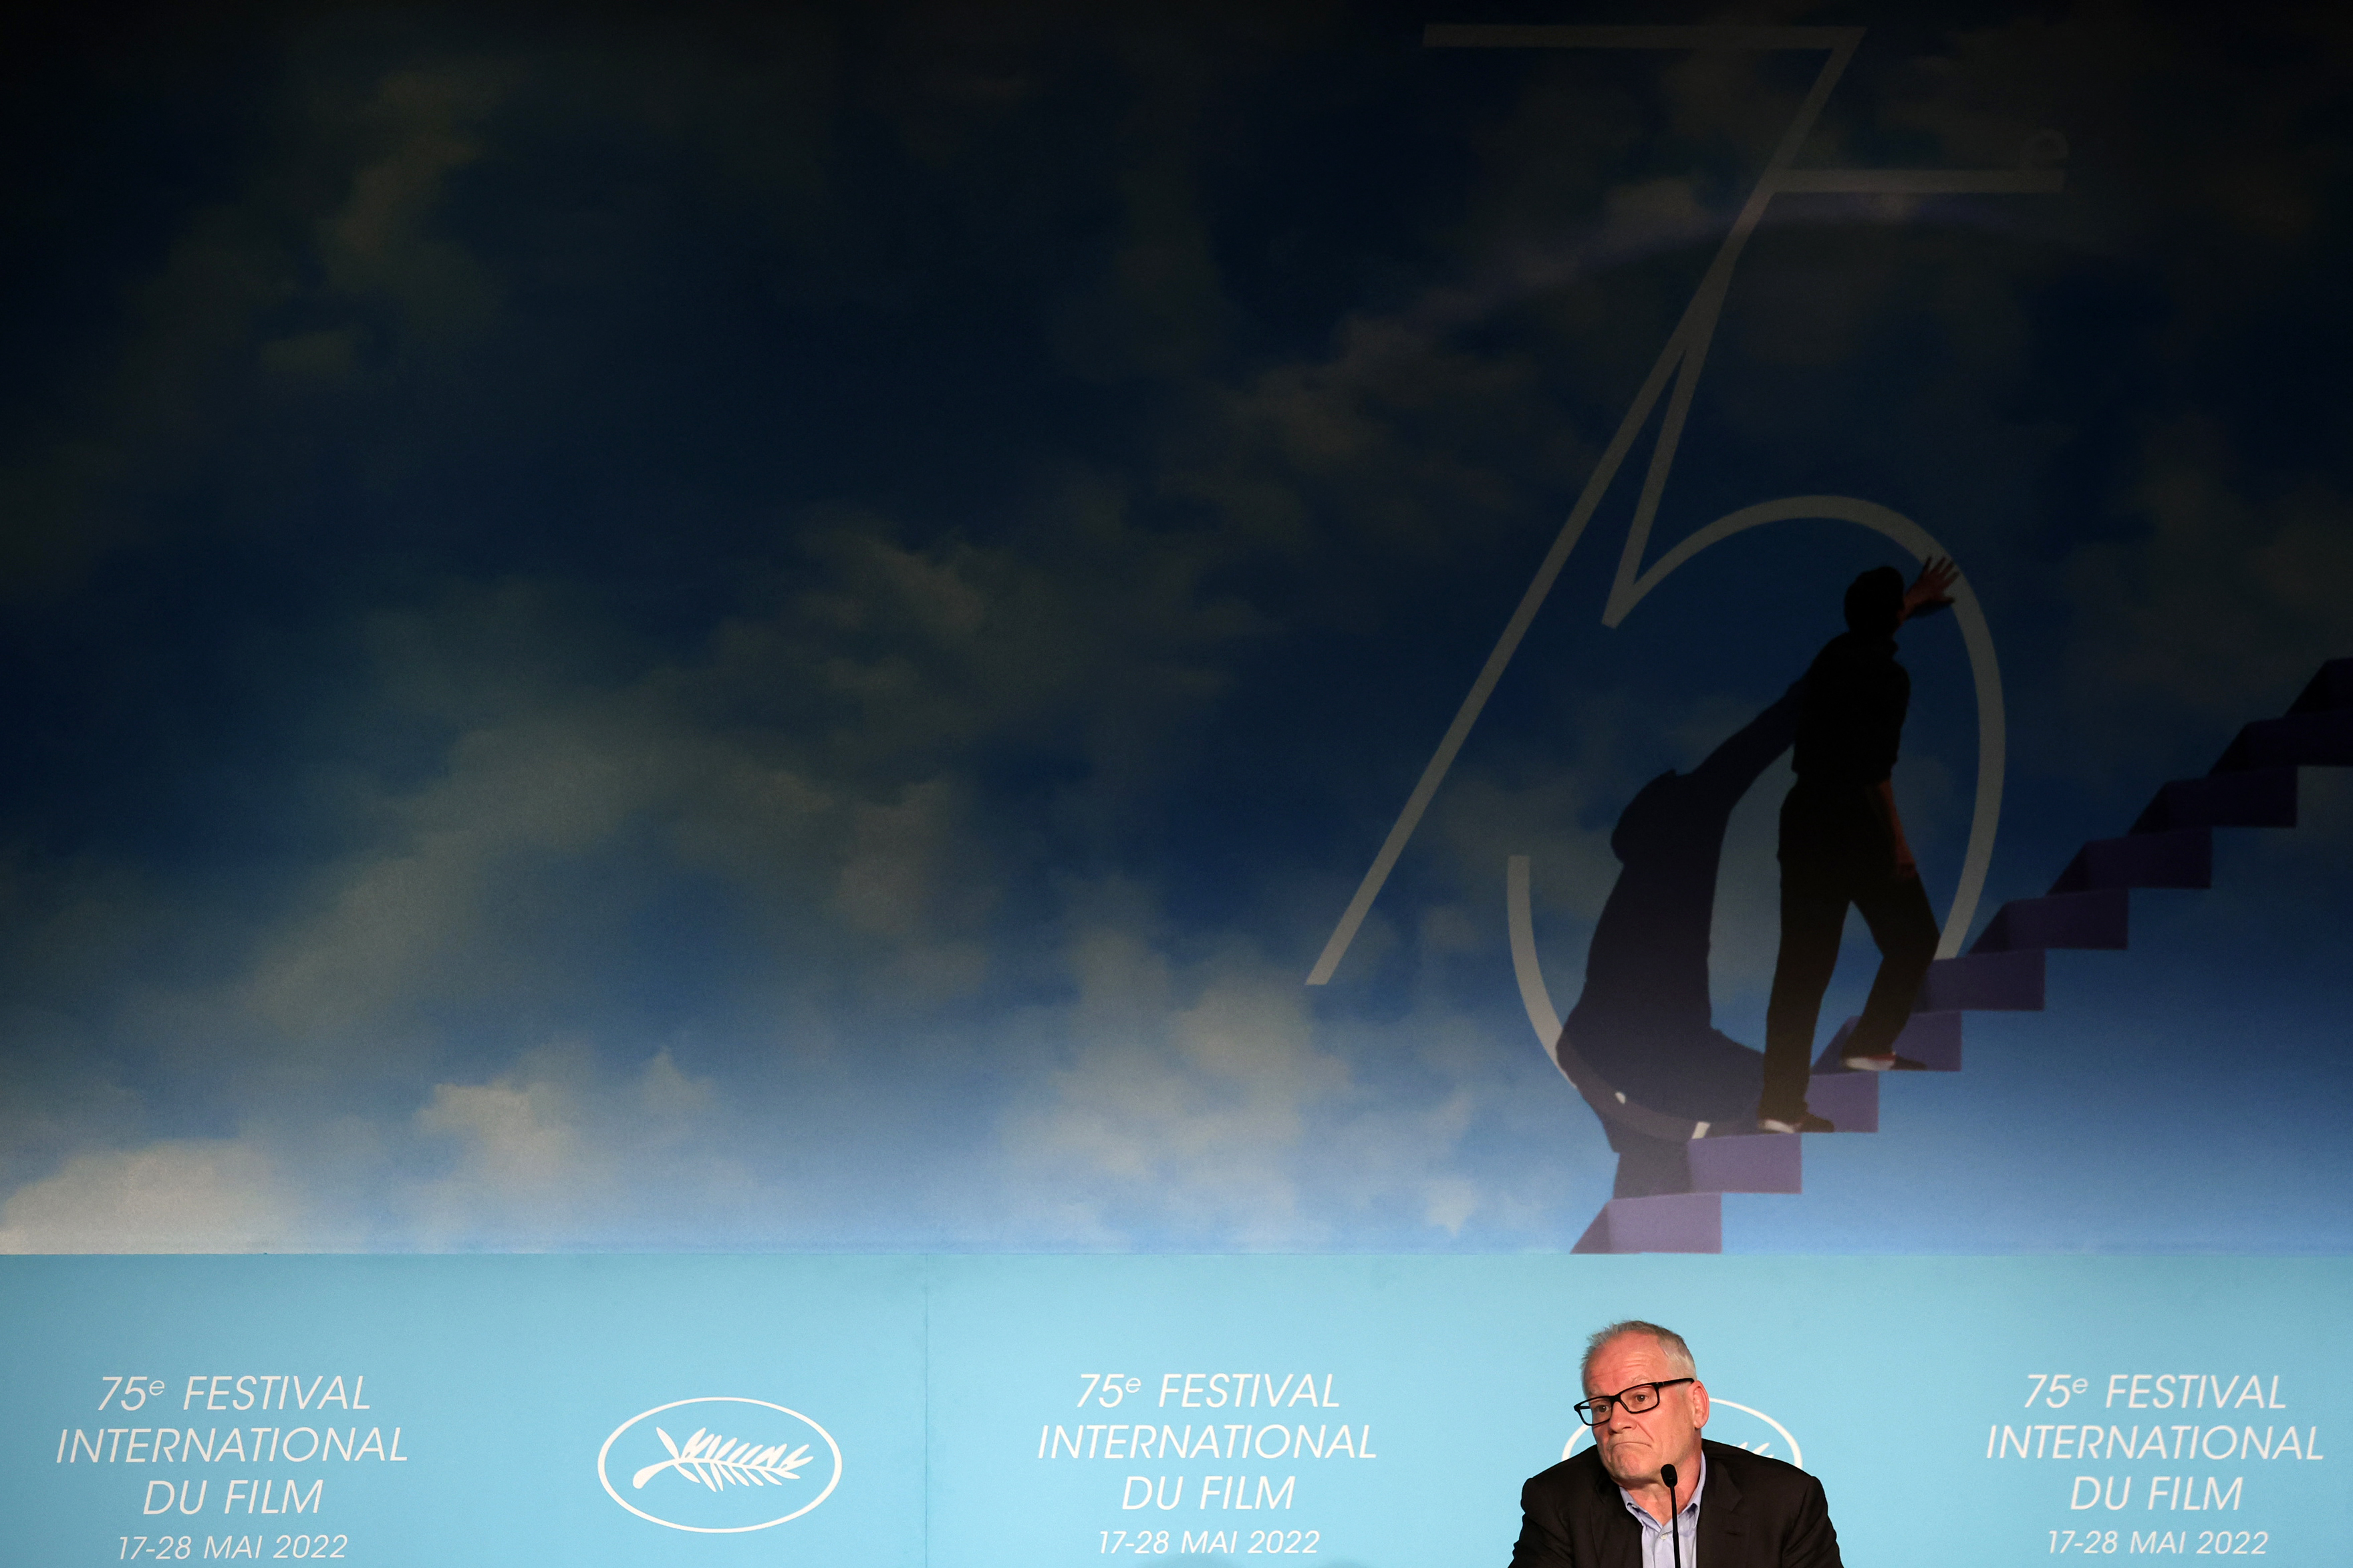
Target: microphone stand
x: 1674, y: 1515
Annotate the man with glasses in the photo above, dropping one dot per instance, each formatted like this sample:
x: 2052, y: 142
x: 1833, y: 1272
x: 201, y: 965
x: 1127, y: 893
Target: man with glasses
x: 1608, y: 1505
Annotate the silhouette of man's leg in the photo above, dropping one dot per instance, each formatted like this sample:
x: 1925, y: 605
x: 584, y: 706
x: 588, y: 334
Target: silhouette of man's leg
x: 1906, y: 931
x: 1813, y: 914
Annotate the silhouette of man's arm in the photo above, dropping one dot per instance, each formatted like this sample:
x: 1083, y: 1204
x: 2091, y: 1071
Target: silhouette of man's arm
x: 1930, y: 591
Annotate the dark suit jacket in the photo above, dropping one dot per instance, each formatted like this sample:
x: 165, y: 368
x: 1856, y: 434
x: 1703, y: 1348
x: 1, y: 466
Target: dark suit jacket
x: 1753, y: 1512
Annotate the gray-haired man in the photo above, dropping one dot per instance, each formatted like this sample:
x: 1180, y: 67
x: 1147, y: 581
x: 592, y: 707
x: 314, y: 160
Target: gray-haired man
x: 1609, y: 1506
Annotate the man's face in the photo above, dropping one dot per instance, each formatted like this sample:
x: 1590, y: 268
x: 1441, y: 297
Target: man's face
x: 1634, y: 1445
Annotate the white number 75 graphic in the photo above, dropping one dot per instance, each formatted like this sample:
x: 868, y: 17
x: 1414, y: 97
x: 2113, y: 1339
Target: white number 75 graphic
x: 1683, y: 358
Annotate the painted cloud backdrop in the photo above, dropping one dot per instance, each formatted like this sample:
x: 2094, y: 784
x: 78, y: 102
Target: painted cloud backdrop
x: 788, y: 628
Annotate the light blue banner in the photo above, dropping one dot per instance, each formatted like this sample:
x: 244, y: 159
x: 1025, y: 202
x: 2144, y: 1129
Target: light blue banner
x: 1047, y: 1411
x: 500, y: 1379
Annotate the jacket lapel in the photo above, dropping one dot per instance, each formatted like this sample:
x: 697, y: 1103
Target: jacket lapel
x: 1620, y: 1542
x: 1723, y: 1537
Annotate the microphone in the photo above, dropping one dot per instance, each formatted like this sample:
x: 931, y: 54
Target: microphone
x: 1674, y: 1516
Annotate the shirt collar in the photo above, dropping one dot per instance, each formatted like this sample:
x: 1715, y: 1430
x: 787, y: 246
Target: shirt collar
x: 1691, y: 1508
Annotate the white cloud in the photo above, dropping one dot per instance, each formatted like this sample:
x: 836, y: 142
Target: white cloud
x: 1196, y: 1112
x: 518, y: 1140
x: 820, y: 754
x: 1204, y: 1103
x: 1452, y: 1200
x: 176, y: 1195
x: 557, y: 1151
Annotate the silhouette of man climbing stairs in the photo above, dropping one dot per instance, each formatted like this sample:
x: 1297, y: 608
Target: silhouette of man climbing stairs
x: 1676, y: 1096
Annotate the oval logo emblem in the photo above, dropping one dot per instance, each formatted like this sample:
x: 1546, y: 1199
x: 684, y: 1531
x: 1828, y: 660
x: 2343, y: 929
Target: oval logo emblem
x: 1738, y: 1424
x: 719, y: 1466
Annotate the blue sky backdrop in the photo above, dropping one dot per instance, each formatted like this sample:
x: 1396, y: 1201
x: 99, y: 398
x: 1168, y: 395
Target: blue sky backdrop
x: 788, y: 627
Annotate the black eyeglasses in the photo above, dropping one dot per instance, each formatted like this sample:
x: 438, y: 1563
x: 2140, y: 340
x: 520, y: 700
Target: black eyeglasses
x: 1641, y: 1397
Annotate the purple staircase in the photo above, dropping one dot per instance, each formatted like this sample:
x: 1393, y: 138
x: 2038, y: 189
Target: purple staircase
x: 2170, y: 845
x: 1932, y: 1039
x: 2092, y: 919
x: 1671, y: 1222
x: 2259, y: 797
x: 2008, y: 982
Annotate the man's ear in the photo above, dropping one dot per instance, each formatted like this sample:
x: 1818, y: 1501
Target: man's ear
x: 1699, y: 1403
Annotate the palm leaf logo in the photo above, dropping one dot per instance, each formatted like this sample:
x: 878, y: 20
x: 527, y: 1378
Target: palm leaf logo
x: 709, y: 1461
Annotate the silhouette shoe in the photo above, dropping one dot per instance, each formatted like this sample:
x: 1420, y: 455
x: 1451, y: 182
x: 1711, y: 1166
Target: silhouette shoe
x: 1807, y: 1122
x: 1886, y: 1062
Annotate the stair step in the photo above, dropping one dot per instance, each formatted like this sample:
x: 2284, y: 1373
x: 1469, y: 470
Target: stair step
x: 1851, y: 1100
x: 1677, y: 1222
x: 1933, y: 1039
x: 2332, y: 688
x: 2093, y: 919
x: 1984, y: 983
x: 2253, y: 784
x: 1748, y: 1163
x: 2258, y: 797
x: 2178, y: 857
x: 2299, y: 739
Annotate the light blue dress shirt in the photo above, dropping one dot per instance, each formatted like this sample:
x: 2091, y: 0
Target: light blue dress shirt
x: 1658, y: 1551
